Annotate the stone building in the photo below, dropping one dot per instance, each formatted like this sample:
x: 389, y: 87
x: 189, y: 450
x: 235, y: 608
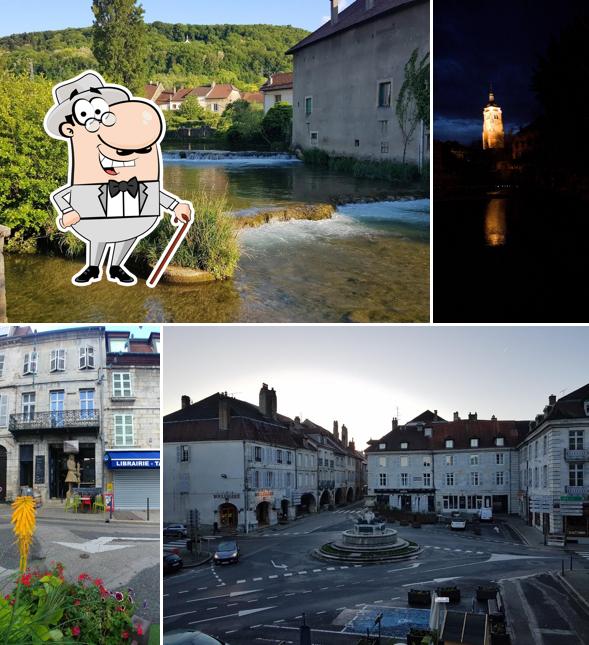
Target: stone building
x: 51, y: 392
x: 131, y: 419
x: 347, y: 77
x: 80, y: 391
x: 493, y: 135
x: 243, y: 466
x: 432, y: 465
x: 277, y: 89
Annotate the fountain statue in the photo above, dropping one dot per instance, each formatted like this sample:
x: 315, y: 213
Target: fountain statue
x: 73, y: 474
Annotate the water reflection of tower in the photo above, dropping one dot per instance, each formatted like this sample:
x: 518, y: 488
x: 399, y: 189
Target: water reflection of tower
x: 496, y: 222
x: 493, y: 136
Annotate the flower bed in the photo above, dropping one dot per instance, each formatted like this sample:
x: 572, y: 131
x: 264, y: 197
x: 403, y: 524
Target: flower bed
x: 45, y: 607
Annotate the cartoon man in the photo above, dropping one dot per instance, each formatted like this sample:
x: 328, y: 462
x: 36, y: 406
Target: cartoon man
x: 114, y: 197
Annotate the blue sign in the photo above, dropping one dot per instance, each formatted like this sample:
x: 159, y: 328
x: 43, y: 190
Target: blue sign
x: 136, y: 459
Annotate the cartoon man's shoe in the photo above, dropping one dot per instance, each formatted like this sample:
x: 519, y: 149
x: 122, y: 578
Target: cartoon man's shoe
x: 121, y: 276
x: 89, y: 275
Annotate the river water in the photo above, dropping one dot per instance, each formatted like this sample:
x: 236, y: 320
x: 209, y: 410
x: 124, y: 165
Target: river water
x: 510, y: 259
x: 370, y: 263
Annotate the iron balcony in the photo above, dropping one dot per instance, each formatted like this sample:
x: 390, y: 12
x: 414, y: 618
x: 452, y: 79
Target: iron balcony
x: 83, y: 421
x: 577, y: 454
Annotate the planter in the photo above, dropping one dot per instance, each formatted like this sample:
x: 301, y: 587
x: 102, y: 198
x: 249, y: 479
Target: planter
x: 420, y: 597
x: 452, y: 593
x: 419, y: 636
x: 487, y: 593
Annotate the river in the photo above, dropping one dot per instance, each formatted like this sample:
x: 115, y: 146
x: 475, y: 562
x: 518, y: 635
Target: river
x: 370, y: 263
x: 513, y: 258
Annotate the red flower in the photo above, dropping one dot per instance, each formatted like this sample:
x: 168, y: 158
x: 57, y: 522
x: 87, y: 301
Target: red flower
x: 75, y: 630
x: 98, y: 582
x: 139, y: 630
x: 26, y: 579
x: 83, y: 576
x: 76, y: 602
x: 119, y: 608
x: 125, y: 635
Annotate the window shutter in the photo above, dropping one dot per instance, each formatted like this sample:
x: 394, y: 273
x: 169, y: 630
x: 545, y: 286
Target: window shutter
x: 82, y: 359
x: 90, y: 357
x: 178, y: 453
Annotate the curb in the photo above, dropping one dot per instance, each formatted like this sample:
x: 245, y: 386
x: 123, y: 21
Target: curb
x: 519, y: 534
x: 198, y: 564
x: 572, y: 590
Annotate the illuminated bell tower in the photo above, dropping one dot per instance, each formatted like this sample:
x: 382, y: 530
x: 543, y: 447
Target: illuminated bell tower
x: 493, y: 136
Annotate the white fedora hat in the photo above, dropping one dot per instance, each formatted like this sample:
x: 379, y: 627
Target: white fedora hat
x: 83, y: 86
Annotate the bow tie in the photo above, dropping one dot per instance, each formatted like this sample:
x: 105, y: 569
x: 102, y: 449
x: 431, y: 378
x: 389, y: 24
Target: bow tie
x: 116, y: 187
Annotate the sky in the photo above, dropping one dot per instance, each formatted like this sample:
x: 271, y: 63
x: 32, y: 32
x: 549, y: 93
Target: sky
x: 59, y: 14
x: 138, y: 331
x: 364, y: 376
x: 499, y: 42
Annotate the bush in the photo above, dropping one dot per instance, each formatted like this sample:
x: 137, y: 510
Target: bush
x: 211, y: 244
x: 45, y: 607
x: 277, y: 125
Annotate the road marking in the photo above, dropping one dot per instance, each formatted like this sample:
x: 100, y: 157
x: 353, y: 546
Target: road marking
x: 239, y: 614
x: 289, y: 594
x: 425, y: 582
x: 231, y: 604
x: 233, y: 594
x: 183, y: 591
x: 302, y: 573
x: 202, y: 589
x: 316, y: 570
x: 239, y: 582
x: 321, y: 612
x: 286, y: 575
x: 98, y: 545
x: 331, y: 568
x: 278, y: 566
x: 271, y: 597
x: 412, y: 566
x: 272, y: 577
x: 256, y: 579
x: 212, y: 608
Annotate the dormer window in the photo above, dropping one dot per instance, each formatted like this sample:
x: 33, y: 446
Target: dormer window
x: 449, y: 443
x: 587, y: 408
x: 499, y: 441
x: 404, y: 445
x: 474, y: 443
x: 382, y: 446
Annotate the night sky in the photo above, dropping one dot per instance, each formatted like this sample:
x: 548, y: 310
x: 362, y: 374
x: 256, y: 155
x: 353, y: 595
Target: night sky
x: 476, y: 43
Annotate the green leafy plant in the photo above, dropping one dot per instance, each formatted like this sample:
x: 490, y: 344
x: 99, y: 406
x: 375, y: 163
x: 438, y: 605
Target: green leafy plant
x: 413, y: 100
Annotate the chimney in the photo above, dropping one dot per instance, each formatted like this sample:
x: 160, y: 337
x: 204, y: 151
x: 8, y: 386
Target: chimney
x: 224, y: 412
x: 472, y: 417
x: 335, y: 430
x: 395, y: 423
x: 552, y: 400
x: 297, y: 421
x: 344, y: 436
x: 352, y: 445
x: 435, y: 415
x: 334, y: 11
x: 369, y: 5
x: 493, y: 418
x: 185, y: 401
x: 456, y: 416
x: 270, y: 79
x: 268, y: 401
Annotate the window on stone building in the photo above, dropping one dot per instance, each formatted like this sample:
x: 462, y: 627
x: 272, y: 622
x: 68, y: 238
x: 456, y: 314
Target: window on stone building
x: 545, y: 444
x: 308, y: 105
x: 475, y: 479
x: 474, y: 460
x: 499, y: 441
x: 499, y: 459
x: 449, y: 479
x: 404, y: 479
x: 1, y: 365
x: 449, y: 459
x: 279, y: 456
x: 545, y: 476
x: 536, y: 476
x: 384, y: 148
x: 86, y: 358
x: 474, y: 443
x: 28, y: 406
x: 575, y: 439
x: 404, y: 462
x: 57, y: 360
x: 382, y: 462
x: 575, y: 474
x: 124, y: 434
x: 535, y: 449
x: 427, y: 462
x: 427, y: 479
x: 256, y: 479
x: 30, y: 363
x: 87, y: 404
x: 257, y: 453
x: 184, y: 453
x: 3, y: 410
x: 118, y: 344
x: 121, y: 384
x: 587, y: 408
x: 382, y: 479
x: 314, y: 138
x: 384, y: 94
x: 288, y: 457
x: 499, y: 478
x: 404, y: 445
x: 382, y: 446
x: 449, y: 443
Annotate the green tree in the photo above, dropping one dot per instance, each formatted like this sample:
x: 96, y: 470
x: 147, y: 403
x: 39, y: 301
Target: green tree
x: 413, y: 100
x: 32, y: 165
x: 119, y: 42
x: 242, y: 123
x: 277, y: 124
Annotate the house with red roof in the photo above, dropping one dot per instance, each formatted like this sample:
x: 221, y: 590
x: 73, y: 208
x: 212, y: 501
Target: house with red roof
x: 277, y: 89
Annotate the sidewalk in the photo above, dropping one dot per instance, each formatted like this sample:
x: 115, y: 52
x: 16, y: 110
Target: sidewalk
x: 131, y: 517
x: 528, y: 534
x: 577, y: 582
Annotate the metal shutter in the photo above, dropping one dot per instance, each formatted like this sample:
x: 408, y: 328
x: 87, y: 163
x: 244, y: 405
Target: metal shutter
x: 133, y: 487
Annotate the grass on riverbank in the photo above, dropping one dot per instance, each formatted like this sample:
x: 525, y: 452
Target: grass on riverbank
x: 392, y: 171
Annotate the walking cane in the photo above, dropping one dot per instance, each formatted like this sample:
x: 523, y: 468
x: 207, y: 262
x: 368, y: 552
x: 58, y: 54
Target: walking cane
x: 168, y: 254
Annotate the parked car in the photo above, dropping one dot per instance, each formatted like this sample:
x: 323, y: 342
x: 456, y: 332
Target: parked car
x: 190, y: 637
x: 226, y: 552
x: 175, y: 530
x: 458, y: 524
x: 172, y: 562
x: 486, y: 514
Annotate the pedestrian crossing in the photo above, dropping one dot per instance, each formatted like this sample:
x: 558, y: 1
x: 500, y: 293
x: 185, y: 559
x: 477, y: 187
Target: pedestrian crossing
x: 350, y: 511
x: 175, y: 544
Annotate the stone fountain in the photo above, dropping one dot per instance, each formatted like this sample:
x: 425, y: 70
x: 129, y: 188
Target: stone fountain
x: 369, y: 541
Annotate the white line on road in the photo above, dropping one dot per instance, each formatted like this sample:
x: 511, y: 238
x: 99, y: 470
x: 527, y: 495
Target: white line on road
x: 233, y: 594
x: 239, y: 614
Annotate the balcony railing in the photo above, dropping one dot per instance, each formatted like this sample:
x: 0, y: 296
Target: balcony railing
x: 577, y: 490
x: 85, y: 421
x: 577, y: 454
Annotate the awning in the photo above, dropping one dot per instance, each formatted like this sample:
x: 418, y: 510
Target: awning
x: 134, y: 459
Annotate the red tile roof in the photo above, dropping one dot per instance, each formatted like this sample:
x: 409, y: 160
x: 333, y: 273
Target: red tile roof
x: 253, y: 97
x: 164, y: 97
x: 221, y: 91
x: 280, y: 81
x: 181, y: 94
x: 354, y: 15
x: 149, y: 90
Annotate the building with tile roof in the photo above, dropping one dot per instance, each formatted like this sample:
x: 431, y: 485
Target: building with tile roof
x: 277, y: 89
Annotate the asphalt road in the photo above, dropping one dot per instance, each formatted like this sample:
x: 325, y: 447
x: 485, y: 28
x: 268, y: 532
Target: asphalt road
x: 263, y: 598
x: 123, y: 555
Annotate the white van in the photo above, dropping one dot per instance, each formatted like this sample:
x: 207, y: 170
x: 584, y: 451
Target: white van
x: 486, y: 514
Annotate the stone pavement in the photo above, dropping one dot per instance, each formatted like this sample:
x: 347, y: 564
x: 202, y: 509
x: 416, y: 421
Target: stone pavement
x: 57, y: 512
x: 528, y: 534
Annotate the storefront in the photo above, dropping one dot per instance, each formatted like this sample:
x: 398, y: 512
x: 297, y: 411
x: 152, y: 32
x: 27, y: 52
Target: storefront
x: 134, y: 477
